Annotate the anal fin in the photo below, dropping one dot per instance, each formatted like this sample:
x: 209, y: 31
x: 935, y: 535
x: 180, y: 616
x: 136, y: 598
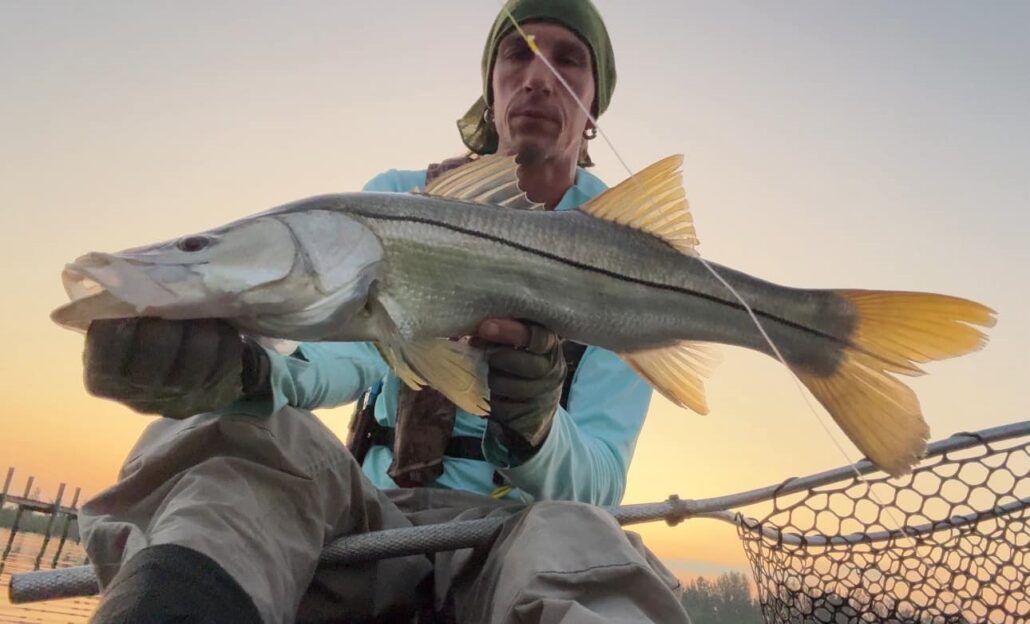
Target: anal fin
x: 676, y: 371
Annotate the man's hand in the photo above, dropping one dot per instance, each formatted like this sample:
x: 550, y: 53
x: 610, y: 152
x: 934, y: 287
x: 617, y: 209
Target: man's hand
x: 527, y: 370
x: 173, y: 368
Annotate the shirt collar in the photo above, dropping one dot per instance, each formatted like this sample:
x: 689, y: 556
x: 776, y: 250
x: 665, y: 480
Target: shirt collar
x: 586, y: 187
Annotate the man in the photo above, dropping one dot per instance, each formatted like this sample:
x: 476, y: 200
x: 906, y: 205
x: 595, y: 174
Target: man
x: 220, y: 517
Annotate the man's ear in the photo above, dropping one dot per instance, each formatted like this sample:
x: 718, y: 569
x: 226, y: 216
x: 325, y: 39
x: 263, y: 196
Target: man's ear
x: 584, y: 156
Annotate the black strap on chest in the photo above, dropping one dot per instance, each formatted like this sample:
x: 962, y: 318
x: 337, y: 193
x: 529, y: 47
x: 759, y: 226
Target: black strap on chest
x: 573, y: 352
x: 466, y: 447
x: 366, y: 432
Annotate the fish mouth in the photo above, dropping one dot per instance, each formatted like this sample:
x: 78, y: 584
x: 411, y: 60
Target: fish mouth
x: 104, y: 286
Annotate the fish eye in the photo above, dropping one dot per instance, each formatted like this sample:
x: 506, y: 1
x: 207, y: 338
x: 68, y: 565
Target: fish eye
x: 193, y: 243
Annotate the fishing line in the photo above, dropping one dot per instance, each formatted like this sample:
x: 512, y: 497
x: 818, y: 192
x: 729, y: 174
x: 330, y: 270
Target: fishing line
x: 808, y: 402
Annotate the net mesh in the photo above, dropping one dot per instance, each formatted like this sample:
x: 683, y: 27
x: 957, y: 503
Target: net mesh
x: 948, y: 543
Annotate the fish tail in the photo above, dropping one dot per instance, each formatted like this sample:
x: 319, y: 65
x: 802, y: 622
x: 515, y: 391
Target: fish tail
x: 892, y: 332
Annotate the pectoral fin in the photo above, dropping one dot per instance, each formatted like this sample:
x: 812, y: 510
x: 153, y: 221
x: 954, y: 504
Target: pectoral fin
x: 456, y: 370
x: 676, y: 372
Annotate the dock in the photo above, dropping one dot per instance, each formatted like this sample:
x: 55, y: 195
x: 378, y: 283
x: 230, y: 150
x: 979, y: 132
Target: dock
x: 59, y: 517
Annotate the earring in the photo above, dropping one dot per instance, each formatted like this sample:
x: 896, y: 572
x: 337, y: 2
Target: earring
x: 590, y: 133
x: 488, y: 115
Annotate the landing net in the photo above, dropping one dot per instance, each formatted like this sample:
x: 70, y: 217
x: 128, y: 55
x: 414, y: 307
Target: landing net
x: 835, y: 554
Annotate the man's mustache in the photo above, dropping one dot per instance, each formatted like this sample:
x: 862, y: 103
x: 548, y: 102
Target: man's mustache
x: 536, y: 109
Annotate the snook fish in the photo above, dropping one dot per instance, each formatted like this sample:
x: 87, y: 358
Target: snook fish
x: 408, y: 270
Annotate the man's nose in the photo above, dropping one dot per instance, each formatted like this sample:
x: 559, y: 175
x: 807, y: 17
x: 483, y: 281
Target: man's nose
x: 538, y: 77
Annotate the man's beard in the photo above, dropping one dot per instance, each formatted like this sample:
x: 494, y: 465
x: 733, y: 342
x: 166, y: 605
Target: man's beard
x: 531, y: 155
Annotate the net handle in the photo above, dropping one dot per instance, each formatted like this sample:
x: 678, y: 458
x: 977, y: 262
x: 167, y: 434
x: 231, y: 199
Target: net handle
x: 956, y: 442
x: 793, y: 539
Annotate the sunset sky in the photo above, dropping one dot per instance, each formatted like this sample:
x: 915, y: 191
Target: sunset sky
x: 874, y: 144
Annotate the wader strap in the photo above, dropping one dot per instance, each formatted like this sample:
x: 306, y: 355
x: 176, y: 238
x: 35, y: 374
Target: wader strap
x: 573, y: 352
x: 362, y: 422
x: 461, y: 447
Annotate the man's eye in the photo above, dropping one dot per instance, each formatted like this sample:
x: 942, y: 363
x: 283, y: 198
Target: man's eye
x: 571, y: 59
x: 518, y: 53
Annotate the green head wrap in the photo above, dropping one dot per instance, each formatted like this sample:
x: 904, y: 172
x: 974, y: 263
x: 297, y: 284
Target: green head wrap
x: 580, y: 17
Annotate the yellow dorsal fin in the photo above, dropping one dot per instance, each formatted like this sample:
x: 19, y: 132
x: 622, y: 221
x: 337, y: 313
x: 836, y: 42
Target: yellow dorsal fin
x: 652, y: 201
x: 489, y: 179
x: 676, y: 371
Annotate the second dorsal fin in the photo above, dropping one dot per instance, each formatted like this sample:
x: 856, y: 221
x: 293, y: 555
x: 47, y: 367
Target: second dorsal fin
x: 651, y: 201
x: 489, y: 179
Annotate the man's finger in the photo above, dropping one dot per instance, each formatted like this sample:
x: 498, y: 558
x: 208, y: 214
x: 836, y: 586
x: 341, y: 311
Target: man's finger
x: 504, y: 331
x: 199, y: 351
x: 229, y: 357
x: 509, y: 388
x: 108, y: 347
x: 541, y: 340
x: 154, y: 351
x: 521, y: 363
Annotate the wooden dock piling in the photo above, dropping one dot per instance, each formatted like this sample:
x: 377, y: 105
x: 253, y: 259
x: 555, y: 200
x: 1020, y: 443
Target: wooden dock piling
x: 7, y: 485
x: 67, y: 524
x: 53, y: 511
x: 14, y: 525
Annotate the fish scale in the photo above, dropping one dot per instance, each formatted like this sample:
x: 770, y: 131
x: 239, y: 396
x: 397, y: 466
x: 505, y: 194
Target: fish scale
x: 568, y: 279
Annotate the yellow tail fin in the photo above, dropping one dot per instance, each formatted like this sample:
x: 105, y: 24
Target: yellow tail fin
x: 893, y: 332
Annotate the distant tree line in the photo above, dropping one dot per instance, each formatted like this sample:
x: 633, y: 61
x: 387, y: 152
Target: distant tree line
x: 820, y: 606
x: 726, y: 600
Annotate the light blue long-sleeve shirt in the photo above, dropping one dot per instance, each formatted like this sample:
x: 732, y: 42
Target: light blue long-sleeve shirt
x: 586, y: 454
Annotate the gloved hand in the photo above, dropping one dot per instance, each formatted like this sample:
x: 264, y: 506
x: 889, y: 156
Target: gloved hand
x: 527, y: 371
x: 173, y: 368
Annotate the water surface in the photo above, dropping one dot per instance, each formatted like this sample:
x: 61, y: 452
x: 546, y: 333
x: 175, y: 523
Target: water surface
x: 22, y: 558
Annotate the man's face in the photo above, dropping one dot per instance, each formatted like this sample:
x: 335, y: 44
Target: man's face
x: 533, y: 112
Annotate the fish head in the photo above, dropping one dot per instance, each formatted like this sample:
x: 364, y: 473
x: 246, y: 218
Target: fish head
x: 281, y: 275
x: 198, y: 275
